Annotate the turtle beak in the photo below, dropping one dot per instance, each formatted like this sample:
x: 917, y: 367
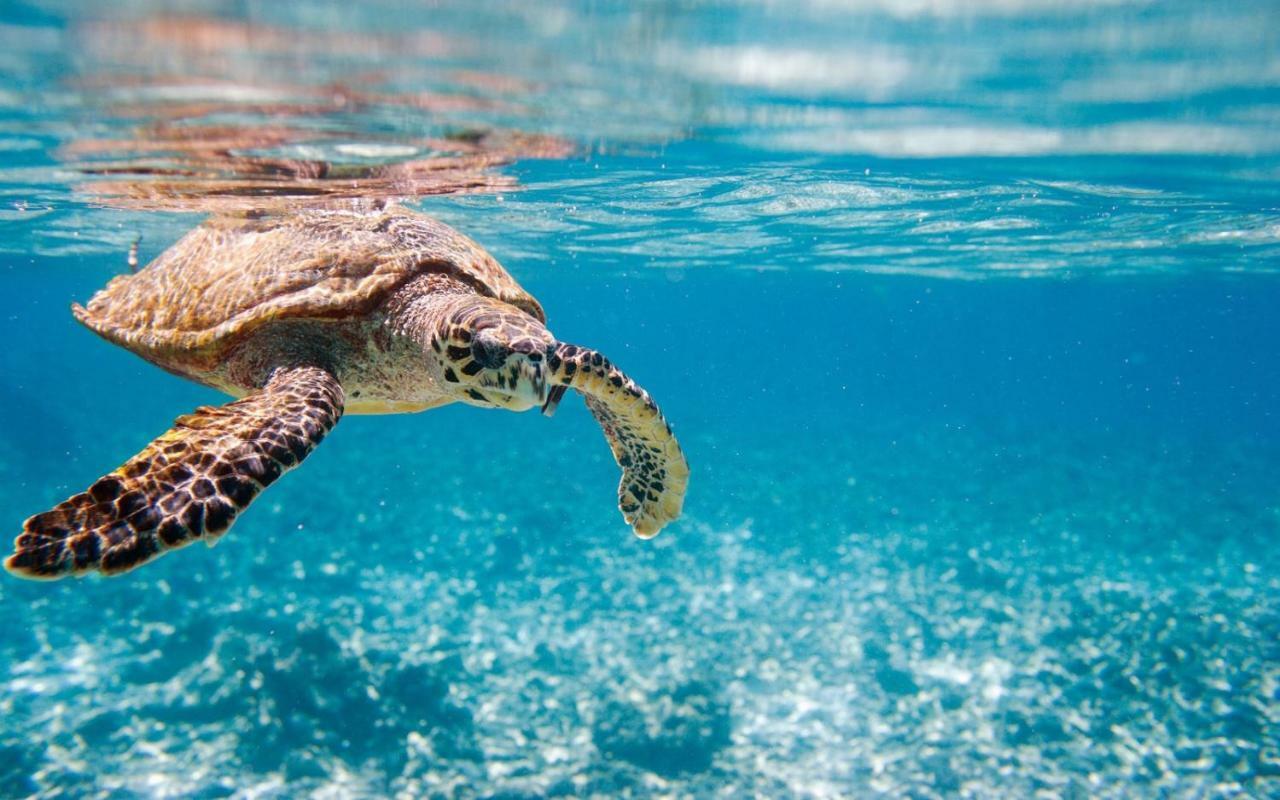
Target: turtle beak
x: 549, y: 395
x: 552, y: 400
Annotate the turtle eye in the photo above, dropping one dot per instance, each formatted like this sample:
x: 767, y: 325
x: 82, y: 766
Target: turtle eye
x: 488, y: 351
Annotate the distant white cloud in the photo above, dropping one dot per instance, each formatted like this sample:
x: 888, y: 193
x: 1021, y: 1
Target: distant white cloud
x: 952, y: 8
x: 962, y: 140
x: 876, y: 73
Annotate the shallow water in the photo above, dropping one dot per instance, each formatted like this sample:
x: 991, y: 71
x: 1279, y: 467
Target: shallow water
x: 963, y: 313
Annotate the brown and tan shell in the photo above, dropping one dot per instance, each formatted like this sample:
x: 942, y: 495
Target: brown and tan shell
x: 235, y: 273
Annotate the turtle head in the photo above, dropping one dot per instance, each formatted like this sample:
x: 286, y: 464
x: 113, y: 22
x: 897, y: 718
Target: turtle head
x: 492, y: 354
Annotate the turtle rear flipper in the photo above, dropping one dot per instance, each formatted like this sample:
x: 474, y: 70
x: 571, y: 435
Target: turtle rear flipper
x: 655, y: 474
x: 188, y: 484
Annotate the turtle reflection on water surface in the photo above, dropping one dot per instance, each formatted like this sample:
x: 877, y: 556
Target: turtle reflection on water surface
x: 303, y: 316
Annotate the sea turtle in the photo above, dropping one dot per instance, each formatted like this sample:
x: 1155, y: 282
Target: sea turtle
x: 305, y: 315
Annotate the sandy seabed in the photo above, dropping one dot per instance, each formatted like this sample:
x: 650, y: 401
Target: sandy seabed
x: 1048, y: 620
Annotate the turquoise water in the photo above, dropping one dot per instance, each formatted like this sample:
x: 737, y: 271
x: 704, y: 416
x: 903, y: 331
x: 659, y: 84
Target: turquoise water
x: 965, y: 315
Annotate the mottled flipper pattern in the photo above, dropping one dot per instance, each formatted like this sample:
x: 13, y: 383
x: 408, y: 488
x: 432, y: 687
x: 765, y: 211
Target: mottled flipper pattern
x: 188, y: 484
x: 655, y: 474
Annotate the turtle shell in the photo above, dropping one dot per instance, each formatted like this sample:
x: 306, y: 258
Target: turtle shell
x: 234, y: 274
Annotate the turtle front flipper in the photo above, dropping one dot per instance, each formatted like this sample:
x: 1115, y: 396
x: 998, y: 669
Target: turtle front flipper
x: 654, y: 471
x: 188, y: 484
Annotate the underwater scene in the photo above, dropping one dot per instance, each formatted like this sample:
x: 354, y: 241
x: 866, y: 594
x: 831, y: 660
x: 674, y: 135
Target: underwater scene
x: 964, y: 318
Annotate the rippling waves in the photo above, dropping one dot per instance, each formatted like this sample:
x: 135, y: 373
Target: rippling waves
x: 929, y: 137
x: 956, y: 223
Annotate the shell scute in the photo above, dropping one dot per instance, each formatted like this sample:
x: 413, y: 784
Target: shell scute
x: 235, y: 273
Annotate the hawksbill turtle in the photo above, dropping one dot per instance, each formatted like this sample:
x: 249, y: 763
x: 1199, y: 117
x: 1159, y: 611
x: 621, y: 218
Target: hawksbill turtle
x: 303, y: 316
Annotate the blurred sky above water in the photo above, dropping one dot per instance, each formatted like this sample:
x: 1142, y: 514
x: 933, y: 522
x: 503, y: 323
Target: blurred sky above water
x: 944, y: 123
x: 859, y: 76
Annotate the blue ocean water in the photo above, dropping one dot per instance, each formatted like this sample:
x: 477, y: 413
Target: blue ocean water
x: 964, y: 313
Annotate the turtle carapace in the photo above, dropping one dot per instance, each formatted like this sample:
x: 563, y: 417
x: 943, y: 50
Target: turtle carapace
x: 305, y: 315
